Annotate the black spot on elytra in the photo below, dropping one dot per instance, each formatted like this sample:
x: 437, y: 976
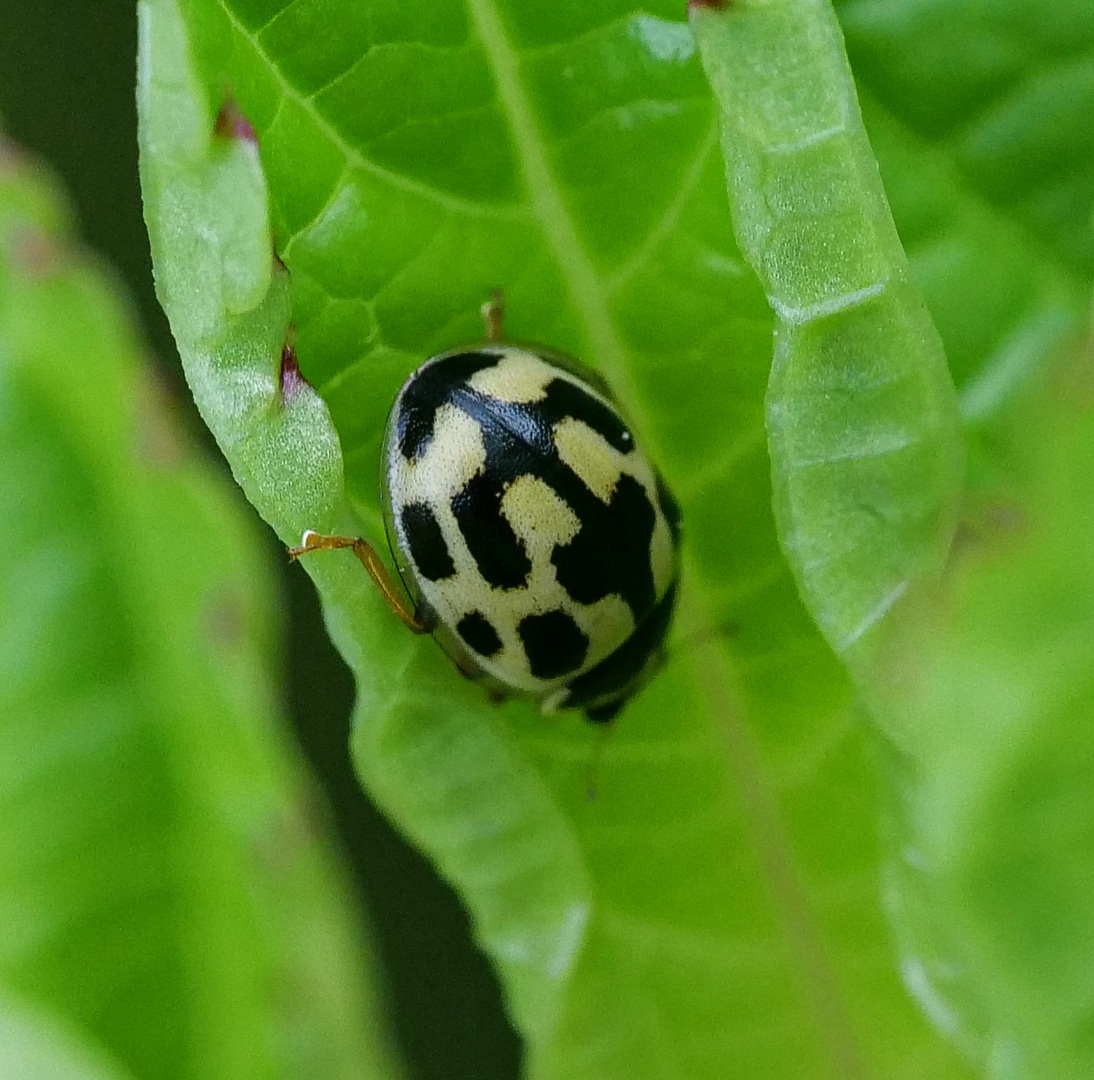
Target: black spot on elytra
x: 478, y: 632
x: 496, y: 549
x: 426, y: 543
x: 612, y: 556
x: 610, y: 553
x: 427, y: 392
x: 603, y: 690
x: 565, y: 398
x: 553, y: 643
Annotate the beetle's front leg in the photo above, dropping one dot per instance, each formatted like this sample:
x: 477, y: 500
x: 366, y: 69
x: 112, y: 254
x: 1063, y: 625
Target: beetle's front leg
x: 366, y: 553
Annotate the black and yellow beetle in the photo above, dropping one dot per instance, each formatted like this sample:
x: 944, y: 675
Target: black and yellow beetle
x: 535, y: 540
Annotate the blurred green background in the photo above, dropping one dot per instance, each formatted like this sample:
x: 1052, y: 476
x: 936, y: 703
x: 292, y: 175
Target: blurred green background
x: 67, y: 95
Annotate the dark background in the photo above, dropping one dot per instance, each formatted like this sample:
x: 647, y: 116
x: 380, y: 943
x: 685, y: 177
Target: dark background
x: 67, y: 71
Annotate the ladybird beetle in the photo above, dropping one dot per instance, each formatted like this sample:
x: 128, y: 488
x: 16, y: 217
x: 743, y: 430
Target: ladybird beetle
x: 535, y: 540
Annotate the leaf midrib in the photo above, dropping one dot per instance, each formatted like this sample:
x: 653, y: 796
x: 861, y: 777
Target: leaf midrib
x: 715, y: 678
x: 549, y: 209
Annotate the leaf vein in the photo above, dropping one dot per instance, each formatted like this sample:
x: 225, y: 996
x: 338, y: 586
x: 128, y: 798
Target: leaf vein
x: 671, y: 216
x: 578, y: 38
x: 352, y: 154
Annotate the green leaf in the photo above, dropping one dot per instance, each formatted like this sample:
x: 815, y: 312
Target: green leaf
x: 162, y: 880
x: 37, y: 1046
x: 861, y: 413
x: 980, y: 116
x: 1005, y: 92
x: 713, y: 912
x: 1002, y: 303
x: 987, y: 695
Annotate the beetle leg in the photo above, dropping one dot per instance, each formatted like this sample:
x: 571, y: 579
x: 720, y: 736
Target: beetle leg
x: 493, y: 312
x: 366, y: 553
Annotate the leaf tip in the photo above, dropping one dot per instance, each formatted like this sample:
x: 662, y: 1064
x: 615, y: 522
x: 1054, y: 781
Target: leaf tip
x: 232, y: 124
x: 291, y: 380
